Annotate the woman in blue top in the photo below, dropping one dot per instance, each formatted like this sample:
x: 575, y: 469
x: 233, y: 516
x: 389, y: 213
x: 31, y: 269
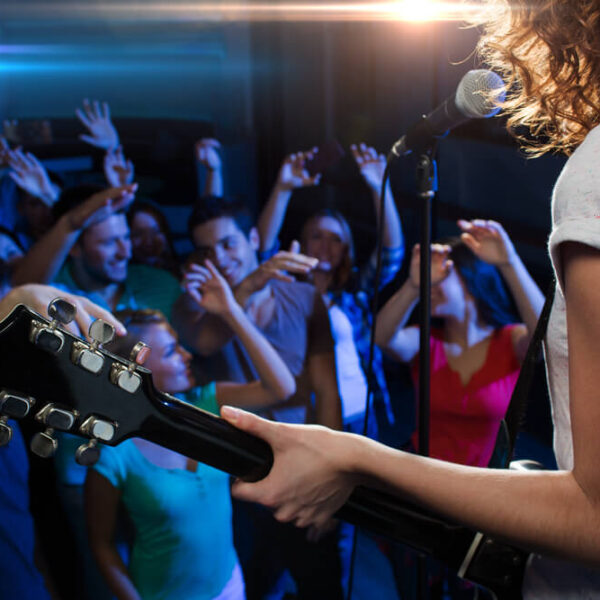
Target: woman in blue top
x: 181, y: 510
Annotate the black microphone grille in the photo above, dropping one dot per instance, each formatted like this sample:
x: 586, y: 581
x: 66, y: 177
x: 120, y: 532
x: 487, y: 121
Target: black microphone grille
x: 479, y: 93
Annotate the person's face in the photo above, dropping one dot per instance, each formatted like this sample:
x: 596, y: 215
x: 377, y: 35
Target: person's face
x: 9, y: 250
x: 104, y: 250
x: 221, y: 241
x: 148, y: 242
x: 168, y: 360
x: 325, y: 240
x: 449, y: 297
x: 36, y: 213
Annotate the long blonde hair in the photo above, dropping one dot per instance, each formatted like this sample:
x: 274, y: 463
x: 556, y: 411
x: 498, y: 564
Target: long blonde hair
x: 548, y: 51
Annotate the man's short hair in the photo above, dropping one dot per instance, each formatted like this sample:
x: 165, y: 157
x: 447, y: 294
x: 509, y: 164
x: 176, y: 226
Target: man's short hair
x: 209, y: 208
x: 74, y: 196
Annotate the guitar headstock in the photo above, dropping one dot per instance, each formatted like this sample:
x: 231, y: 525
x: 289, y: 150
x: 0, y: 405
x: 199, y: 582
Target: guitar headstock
x: 69, y: 384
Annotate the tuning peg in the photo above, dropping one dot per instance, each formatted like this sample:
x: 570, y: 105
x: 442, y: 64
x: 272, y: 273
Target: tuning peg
x: 43, y: 444
x: 101, y: 332
x: 5, y: 431
x: 125, y: 376
x: 46, y: 335
x: 15, y: 406
x: 88, y: 454
x: 88, y: 357
x: 56, y: 418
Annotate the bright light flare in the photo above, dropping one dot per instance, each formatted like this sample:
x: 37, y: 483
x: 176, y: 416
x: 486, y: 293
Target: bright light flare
x: 396, y: 10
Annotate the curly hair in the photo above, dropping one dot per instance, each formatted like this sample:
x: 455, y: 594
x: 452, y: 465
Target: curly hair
x: 548, y: 51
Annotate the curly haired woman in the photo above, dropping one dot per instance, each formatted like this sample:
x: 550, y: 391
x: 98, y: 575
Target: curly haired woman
x: 549, y: 53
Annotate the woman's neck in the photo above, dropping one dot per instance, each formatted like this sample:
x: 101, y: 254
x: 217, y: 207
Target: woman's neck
x: 466, y: 331
x: 322, y: 280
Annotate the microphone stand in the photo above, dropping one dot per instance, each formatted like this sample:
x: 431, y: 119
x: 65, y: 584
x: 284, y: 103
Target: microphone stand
x: 426, y: 174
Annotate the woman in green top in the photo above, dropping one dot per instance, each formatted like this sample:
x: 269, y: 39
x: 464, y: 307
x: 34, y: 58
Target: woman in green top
x: 180, y: 509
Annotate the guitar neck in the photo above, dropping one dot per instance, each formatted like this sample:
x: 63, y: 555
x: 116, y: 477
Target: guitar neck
x: 204, y: 437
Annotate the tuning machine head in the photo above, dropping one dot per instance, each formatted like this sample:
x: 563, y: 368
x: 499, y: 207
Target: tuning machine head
x: 87, y: 356
x: 47, y: 336
x: 125, y: 376
x: 12, y: 406
x: 87, y: 454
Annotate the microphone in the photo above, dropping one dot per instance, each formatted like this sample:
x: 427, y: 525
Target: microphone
x: 476, y: 97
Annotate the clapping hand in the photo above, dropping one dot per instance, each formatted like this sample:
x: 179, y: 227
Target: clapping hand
x: 96, y: 118
x: 117, y: 170
x: 488, y: 241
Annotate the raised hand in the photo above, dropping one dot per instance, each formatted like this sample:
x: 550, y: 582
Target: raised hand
x: 101, y: 205
x: 29, y: 174
x: 281, y: 266
x: 117, y: 170
x: 441, y: 265
x: 209, y: 289
x: 96, y: 118
x: 488, y: 241
x: 293, y: 173
x: 206, y: 152
x: 370, y: 164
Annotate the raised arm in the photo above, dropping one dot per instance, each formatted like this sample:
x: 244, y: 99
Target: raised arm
x: 372, y: 166
x: 292, y: 175
x: 207, y: 155
x: 553, y: 512
x: 391, y: 333
x: 46, y: 257
x: 101, y: 507
x: 213, y: 294
x: 117, y: 169
x: 489, y: 241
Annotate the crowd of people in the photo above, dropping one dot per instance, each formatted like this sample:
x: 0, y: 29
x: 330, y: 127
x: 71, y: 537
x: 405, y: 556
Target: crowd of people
x: 285, y: 334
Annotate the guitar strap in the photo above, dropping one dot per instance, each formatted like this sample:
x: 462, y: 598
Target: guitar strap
x: 515, y: 413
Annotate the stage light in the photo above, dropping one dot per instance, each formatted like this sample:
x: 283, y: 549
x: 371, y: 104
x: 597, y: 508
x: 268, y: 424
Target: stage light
x: 249, y: 10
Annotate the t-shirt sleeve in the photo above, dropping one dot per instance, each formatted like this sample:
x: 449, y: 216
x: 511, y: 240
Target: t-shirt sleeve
x: 585, y: 230
x: 111, y: 465
x: 320, y: 340
x: 204, y: 397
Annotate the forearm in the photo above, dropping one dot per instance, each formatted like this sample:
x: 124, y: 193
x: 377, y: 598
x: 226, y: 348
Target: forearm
x: 394, y: 314
x: 392, y: 229
x: 527, y: 295
x: 115, y: 572
x: 213, y: 183
x: 46, y: 257
x: 272, y: 371
x: 271, y: 217
x: 543, y: 511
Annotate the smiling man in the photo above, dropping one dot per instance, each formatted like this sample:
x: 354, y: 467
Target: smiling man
x: 99, y: 266
x: 293, y: 317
